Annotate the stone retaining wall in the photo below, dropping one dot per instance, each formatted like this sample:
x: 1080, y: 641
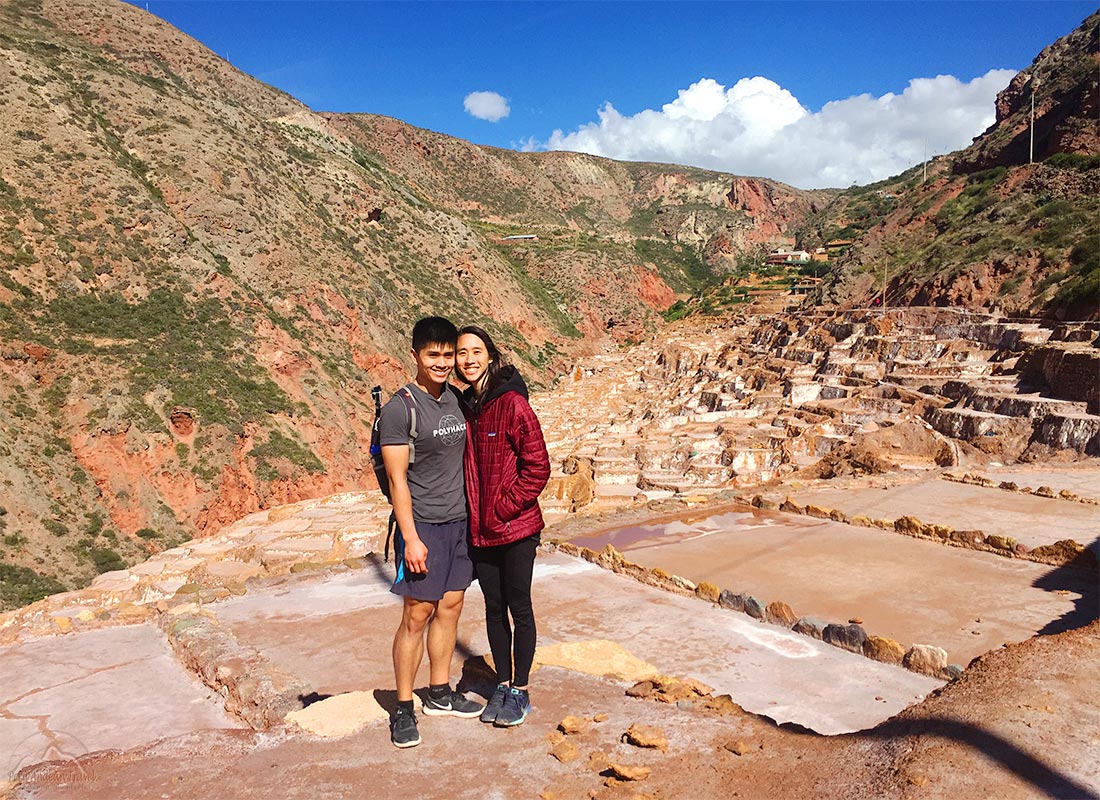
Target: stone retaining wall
x: 253, y: 688
x: 1010, y: 486
x: 1070, y: 370
x: 303, y: 536
x: 1061, y: 553
x: 923, y: 658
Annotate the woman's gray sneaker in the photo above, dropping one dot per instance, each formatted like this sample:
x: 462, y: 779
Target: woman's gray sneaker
x: 496, y: 702
x: 453, y: 705
x: 403, y: 730
x: 517, y: 705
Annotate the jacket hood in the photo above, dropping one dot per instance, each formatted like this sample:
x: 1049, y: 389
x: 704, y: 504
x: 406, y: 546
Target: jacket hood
x: 513, y: 382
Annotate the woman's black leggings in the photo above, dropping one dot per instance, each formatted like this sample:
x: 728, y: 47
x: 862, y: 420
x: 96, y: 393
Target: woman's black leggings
x: 504, y: 572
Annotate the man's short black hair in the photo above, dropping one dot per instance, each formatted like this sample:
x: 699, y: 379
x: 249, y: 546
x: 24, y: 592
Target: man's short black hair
x: 433, y: 330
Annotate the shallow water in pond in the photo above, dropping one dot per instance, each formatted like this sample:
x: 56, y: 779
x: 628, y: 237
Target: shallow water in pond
x: 911, y: 590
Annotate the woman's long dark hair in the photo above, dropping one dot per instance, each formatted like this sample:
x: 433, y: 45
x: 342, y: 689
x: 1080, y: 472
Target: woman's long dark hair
x: 494, y: 374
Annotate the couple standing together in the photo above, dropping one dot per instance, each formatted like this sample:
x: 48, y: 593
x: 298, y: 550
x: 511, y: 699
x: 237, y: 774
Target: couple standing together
x: 465, y: 472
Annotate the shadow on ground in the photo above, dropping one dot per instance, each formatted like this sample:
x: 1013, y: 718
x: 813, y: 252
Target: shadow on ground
x: 1080, y: 577
x: 1042, y: 776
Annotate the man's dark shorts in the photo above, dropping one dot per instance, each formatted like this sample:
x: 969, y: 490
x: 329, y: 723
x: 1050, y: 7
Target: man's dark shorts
x: 449, y: 565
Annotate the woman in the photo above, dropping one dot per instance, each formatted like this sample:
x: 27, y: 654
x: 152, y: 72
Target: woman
x: 506, y: 469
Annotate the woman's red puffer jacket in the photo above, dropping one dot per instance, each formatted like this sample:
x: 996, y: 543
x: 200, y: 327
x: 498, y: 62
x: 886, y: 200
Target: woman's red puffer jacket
x: 506, y: 466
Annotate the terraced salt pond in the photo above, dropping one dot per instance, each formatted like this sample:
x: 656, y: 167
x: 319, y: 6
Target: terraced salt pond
x: 335, y: 631
x: 1032, y: 521
x: 911, y: 590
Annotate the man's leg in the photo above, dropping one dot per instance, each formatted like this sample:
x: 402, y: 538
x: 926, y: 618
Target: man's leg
x: 408, y: 644
x: 442, y: 634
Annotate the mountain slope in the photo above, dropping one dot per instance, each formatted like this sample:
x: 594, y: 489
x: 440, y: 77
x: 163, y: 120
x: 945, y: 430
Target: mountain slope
x: 200, y: 279
x: 985, y: 228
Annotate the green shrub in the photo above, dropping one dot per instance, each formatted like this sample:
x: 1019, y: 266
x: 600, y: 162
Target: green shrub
x: 1086, y: 254
x: 54, y: 527
x: 305, y: 156
x: 94, y: 525
x: 266, y: 472
x: 987, y: 177
x: 104, y: 558
x: 20, y: 586
x: 1083, y: 287
x: 1011, y: 284
x: 1078, y: 161
x: 677, y: 310
x: 279, y: 446
x: 680, y: 266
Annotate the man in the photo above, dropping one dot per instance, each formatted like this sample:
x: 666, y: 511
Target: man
x: 429, y: 503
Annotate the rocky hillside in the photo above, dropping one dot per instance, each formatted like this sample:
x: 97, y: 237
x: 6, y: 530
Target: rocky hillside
x: 984, y: 227
x: 200, y: 279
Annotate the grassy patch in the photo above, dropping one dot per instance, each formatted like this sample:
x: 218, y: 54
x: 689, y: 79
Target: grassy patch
x: 1079, y: 161
x: 680, y: 266
x: 539, y: 293
x: 281, y: 447
x: 303, y: 155
x: 190, y: 348
x: 54, y: 527
x: 103, y: 558
x: 20, y: 586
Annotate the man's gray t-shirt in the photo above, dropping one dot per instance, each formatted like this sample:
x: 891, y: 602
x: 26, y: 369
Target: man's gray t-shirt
x: 435, y: 476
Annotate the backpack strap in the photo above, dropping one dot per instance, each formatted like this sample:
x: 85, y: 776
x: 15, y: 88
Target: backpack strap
x: 391, y: 526
x: 410, y: 406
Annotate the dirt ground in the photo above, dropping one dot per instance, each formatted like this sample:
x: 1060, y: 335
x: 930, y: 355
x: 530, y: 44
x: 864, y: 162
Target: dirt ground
x: 1023, y: 722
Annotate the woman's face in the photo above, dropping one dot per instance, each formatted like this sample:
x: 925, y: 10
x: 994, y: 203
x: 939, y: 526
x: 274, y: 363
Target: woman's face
x: 471, y: 357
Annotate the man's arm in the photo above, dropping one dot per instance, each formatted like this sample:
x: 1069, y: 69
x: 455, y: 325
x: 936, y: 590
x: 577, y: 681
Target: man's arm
x: 396, y: 459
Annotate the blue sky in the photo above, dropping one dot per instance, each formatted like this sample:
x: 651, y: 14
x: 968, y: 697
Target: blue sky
x: 557, y: 66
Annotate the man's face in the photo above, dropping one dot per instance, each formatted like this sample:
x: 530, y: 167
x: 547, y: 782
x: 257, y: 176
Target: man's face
x: 434, y: 362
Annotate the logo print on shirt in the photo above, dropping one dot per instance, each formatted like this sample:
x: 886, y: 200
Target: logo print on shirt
x: 451, y: 430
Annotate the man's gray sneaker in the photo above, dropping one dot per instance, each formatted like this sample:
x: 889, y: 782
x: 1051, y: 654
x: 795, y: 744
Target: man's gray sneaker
x: 517, y: 705
x: 453, y: 705
x: 403, y: 730
x: 496, y: 702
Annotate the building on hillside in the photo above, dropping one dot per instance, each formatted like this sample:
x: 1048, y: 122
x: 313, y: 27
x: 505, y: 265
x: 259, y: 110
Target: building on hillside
x: 838, y: 246
x: 784, y: 256
x: 820, y: 254
x: 521, y: 237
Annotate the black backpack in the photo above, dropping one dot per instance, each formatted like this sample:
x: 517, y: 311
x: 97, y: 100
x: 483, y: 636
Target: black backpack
x: 376, y: 436
x: 376, y: 452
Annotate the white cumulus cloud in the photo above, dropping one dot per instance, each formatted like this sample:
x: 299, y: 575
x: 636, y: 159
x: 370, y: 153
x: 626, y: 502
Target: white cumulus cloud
x: 486, y: 105
x: 756, y: 127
